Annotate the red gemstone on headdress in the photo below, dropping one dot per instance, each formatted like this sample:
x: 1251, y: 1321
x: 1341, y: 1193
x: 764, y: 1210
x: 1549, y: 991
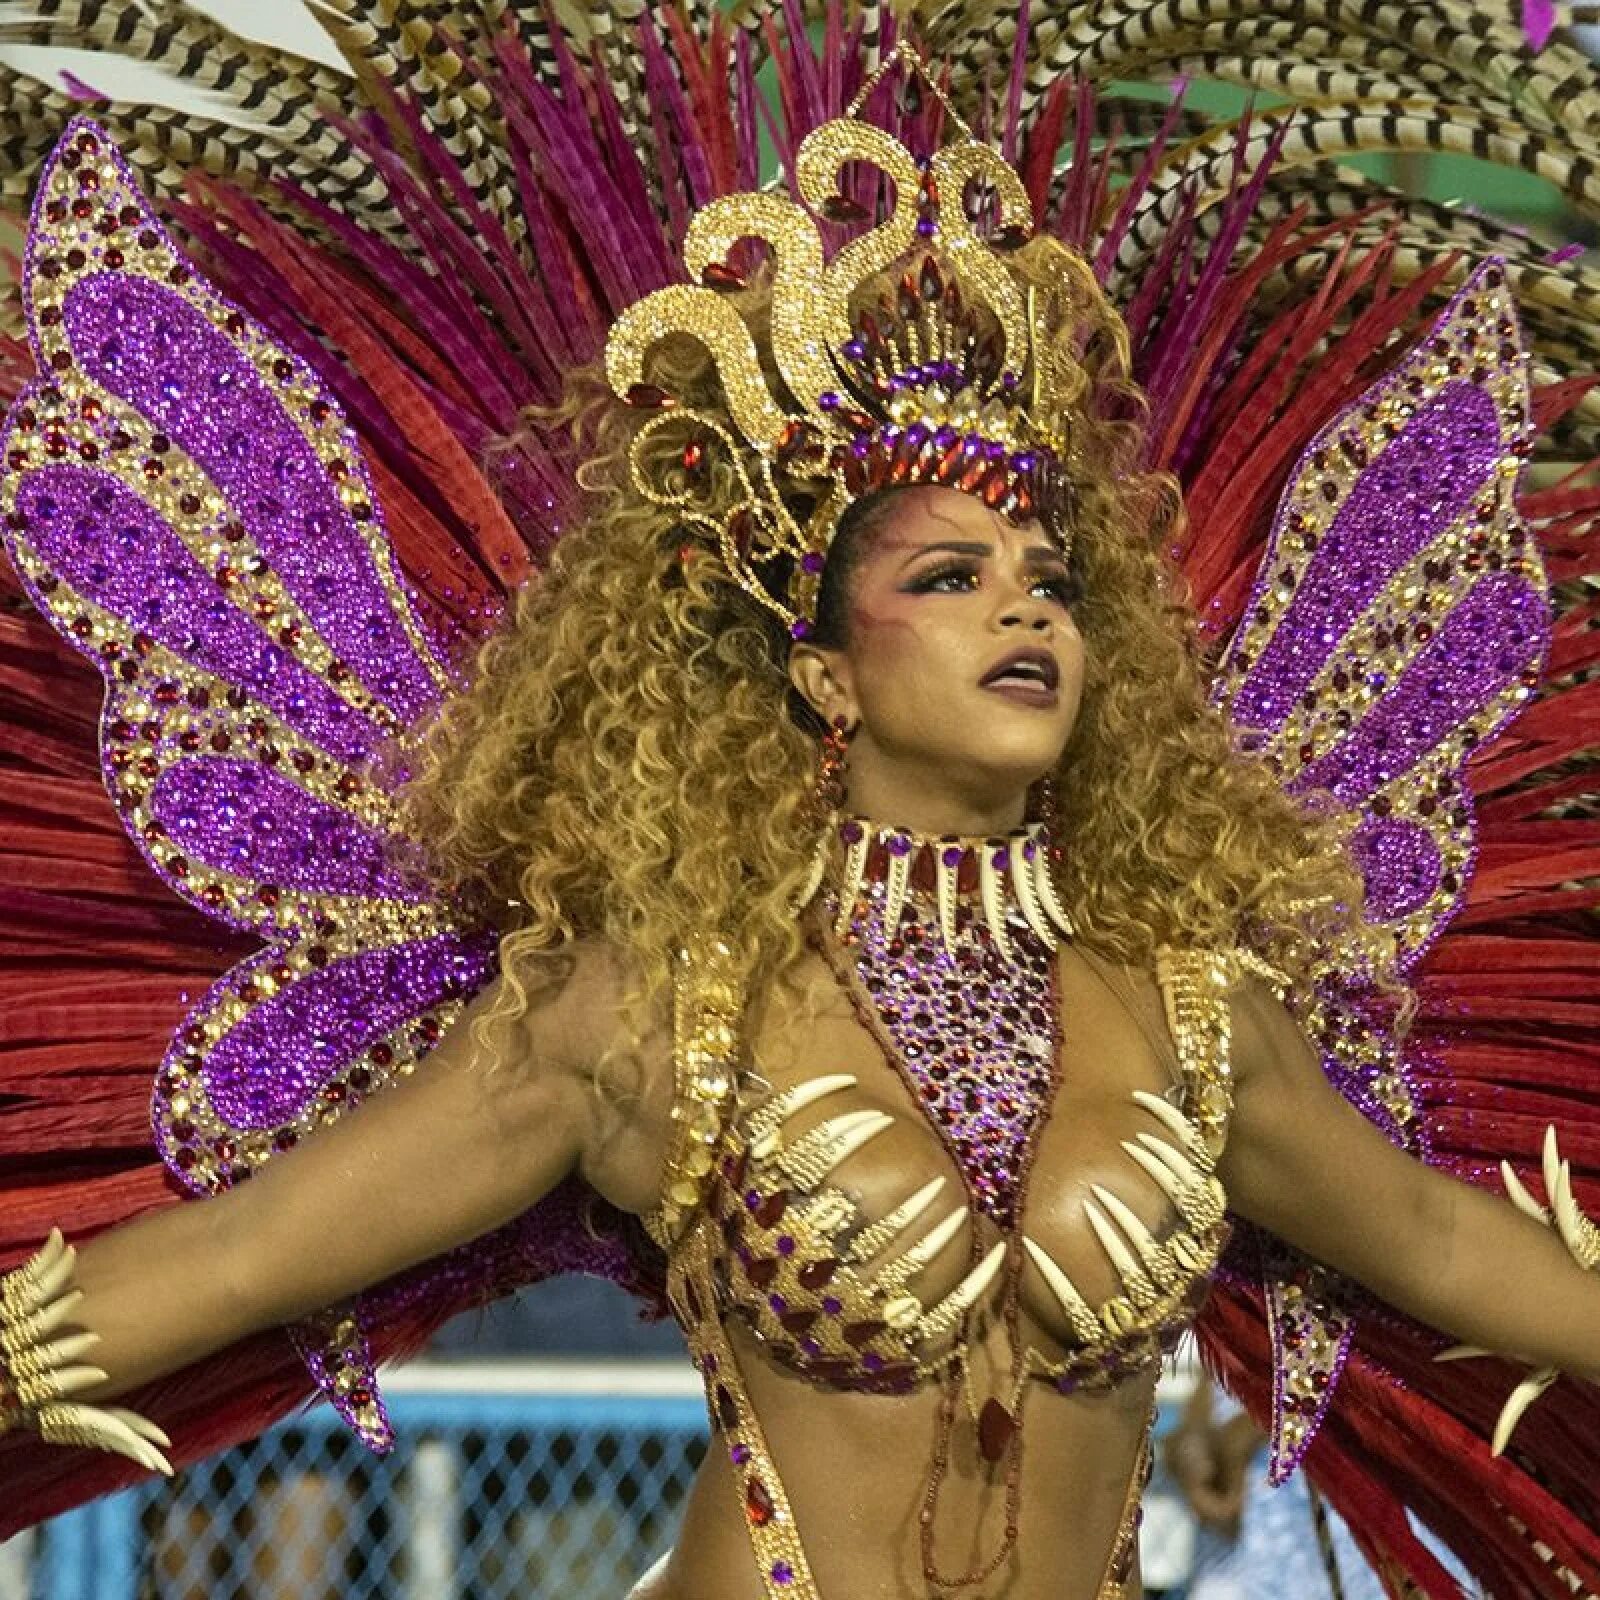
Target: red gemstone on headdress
x: 1009, y: 238
x: 650, y: 398
x: 719, y: 275
x: 694, y: 457
x: 841, y: 208
x: 794, y: 441
x: 931, y: 280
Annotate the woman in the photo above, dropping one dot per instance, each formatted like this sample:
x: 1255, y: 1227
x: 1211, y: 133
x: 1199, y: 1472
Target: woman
x: 789, y: 999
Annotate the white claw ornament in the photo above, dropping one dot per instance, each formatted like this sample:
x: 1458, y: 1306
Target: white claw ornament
x: 1582, y: 1239
x: 41, y: 1369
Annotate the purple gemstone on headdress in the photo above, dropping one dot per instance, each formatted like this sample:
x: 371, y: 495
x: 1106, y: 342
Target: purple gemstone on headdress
x: 851, y: 832
x: 916, y: 435
x: 828, y: 400
x: 899, y: 844
x: 1009, y: 380
x: 926, y: 227
x: 1029, y: 850
x: 994, y: 450
x: 854, y: 348
x: 811, y: 561
x: 953, y: 854
x: 800, y: 629
x: 1001, y: 856
x: 1024, y: 461
x: 739, y: 1454
x: 782, y: 1572
x: 946, y: 437
x: 861, y: 446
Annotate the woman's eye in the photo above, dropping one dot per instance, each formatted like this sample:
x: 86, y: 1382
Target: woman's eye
x: 1065, y: 587
x: 945, y: 580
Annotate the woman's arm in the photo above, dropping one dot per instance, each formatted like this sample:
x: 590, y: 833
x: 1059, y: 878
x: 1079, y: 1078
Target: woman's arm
x: 455, y: 1150
x: 1303, y: 1163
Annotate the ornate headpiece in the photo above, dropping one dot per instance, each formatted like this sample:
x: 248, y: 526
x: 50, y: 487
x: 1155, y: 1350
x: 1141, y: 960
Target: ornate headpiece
x: 947, y: 379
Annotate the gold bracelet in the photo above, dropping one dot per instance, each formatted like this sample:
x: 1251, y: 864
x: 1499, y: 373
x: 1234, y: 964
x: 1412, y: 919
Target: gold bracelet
x: 42, y: 1368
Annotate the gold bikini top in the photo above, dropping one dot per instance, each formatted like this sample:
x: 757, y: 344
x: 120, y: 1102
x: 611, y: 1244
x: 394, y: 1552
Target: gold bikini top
x: 834, y: 1294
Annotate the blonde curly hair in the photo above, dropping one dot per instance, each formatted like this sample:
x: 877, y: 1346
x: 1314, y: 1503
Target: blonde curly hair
x: 630, y: 765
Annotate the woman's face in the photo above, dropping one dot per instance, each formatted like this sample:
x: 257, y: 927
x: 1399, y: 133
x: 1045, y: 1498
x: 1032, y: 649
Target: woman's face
x: 962, y: 669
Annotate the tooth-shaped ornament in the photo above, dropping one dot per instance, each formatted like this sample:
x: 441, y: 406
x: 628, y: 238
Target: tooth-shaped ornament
x: 1155, y: 1260
x: 944, y: 1317
x: 1193, y: 1143
x: 766, y: 1120
x: 1080, y: 1315
x: 817, y: 871
x: 993, y: 903
x: 899, y: 1272
x: 1044, y: 885
x: 1141, y: 1291
x: 883, y: 1233
x: 945, y: 886
x: 1519, y: 1196
x: 809, y: 1160
x: 855, y: 871
x: 1578, y: 1233
x: 896, y: 881
x: 1522, y: 1397
x: 31, y: 1330
x: 1163, y: 1174
x: 1027, y: 894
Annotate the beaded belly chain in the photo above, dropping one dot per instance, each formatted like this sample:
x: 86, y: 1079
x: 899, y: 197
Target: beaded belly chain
x: 947, y: 949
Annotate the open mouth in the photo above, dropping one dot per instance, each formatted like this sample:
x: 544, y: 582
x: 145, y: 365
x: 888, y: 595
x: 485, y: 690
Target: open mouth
x: 1030, y: 670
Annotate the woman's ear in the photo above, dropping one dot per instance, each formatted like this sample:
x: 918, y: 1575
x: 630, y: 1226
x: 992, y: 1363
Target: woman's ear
x: 822, y: 679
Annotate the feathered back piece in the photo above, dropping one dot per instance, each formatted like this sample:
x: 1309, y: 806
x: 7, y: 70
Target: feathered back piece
x: 437, y: 231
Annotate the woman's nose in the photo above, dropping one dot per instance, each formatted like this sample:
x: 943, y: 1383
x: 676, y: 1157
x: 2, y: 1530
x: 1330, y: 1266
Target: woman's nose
x: 1027, y: 614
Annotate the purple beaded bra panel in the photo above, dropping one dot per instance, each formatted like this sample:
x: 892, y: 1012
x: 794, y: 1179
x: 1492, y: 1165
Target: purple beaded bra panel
x: 973, y: 1034
x: 186, y: 503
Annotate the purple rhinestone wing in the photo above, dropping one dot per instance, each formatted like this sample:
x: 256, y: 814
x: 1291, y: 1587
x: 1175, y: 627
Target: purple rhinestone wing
x: 1399, y: 621
x: 184, y: 501
x: 1401, y: 614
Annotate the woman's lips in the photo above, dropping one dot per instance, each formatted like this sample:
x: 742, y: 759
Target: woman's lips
x: 1033, y: 695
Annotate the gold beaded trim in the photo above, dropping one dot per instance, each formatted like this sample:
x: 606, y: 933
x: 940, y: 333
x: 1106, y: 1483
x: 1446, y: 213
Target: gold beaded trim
x: 1194, y: 989
x: 768, y: 1516
x: 705, y: 1025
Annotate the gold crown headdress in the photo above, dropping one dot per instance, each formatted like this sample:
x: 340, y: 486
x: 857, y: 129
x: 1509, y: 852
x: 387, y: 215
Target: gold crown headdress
x: 950, y: 380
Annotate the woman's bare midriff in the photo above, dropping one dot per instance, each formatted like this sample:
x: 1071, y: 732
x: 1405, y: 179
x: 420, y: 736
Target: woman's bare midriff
x: 856, y: 1468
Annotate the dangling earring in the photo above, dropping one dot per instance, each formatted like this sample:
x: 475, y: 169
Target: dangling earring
x: 827, y: 800
x: 1042, y: 808
x: 829, y: 796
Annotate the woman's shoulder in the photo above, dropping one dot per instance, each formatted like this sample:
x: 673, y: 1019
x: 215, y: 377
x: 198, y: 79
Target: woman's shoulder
x: 589, y: 1015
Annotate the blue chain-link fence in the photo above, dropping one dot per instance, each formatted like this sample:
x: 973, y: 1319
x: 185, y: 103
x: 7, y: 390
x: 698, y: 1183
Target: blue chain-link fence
x: 518, y: 1480
x: 508, y: 1483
